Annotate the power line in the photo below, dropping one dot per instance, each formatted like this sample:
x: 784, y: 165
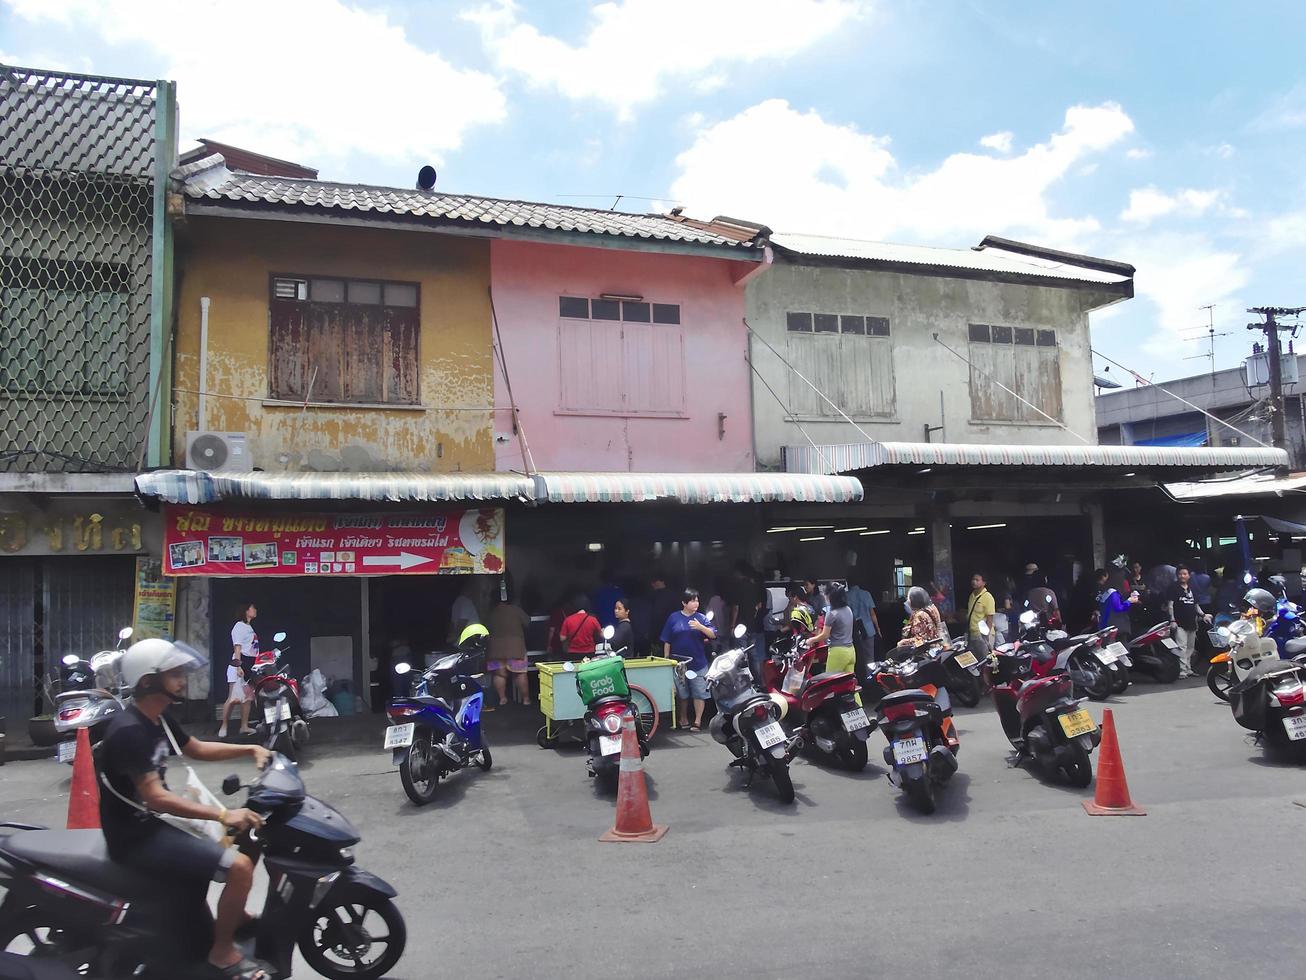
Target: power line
x: 1271, y: 329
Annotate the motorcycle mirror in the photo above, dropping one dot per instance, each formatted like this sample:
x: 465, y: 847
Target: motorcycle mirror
x: 1247, y: 578
x: 569, y: 666
x: 231, y: 784
x: 70, y: 660
x: 125, y: 632
x: 609, y: 632
x: 278, y: 637
x: 403, y: 668
x: 740, y: 630
x: 983, y: 628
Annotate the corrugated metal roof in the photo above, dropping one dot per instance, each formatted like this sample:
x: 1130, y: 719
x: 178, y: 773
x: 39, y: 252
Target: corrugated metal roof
x: 210, y: 180
x: 197, y: 487
x: 865, y: 455
x: 980, y: 260
x: 1251, y: 486
x: 698, y: 488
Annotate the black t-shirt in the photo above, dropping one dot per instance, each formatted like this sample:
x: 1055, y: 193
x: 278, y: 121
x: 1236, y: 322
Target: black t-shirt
x: 1185, y: 605
x: 623, y: 638
x: 133, y: 746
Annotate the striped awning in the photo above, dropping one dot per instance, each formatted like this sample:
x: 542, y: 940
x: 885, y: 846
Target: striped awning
x: 849, y: 457
x: 197, y: 487
x: 697, y: 488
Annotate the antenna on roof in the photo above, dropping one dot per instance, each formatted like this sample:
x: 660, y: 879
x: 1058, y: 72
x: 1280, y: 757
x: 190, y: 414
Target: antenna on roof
x: 1211, y: 334
x: 426, y: 178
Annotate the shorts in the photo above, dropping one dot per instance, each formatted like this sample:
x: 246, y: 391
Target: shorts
x: 695, y: 687
x: 516, y: 666
x: 238, y: 690
x: 175, y: 855
x: 841, y: 660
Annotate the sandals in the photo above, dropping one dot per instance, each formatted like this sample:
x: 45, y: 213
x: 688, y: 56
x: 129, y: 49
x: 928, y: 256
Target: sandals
x: 695, y: 728
x: 243, y: 969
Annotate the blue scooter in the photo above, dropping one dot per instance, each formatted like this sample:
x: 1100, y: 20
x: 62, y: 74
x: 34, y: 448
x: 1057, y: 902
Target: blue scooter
x: 437, y: 729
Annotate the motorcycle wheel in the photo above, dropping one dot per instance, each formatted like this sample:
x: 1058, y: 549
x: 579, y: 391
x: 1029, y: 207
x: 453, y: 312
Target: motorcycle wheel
x: 1168, y: 672
x: 339, y: 939
x: 483, y: 758
x: 1098, y: 685
x: 920, y: 792
x: 784, y: 783
x: 420, y: 790
x: 1219, y: 679
x: 855, y: 756
x: 1119, y: 679
x: 963, y: 685
x: 542, y: 738
x: 1078, y: 772
x: 25, y: 934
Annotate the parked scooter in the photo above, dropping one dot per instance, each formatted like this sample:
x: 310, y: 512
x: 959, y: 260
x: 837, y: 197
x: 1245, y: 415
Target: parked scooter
x: 1271, y: 702
x: 1245, y: 651
x: 89, y: 696
x: 1156, y: 653
x: 603, y: 688
x: 280, y: 724
x: 965, y: 675
x: 1039, y: 713
x: 747, y: 721
x: 825, y: 707
x: 104, y: 920
x: 1092, y: 668
x: 915, y: 715
x: 436, y: 730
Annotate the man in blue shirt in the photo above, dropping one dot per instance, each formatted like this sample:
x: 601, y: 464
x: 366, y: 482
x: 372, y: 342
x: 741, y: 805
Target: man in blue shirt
x: 685, y: 636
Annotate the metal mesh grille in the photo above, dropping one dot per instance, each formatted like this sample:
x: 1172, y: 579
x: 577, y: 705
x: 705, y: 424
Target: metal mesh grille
x: 77, y: 159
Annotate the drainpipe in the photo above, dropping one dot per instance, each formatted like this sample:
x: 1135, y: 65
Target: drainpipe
x: 768, y: 257
x: 204, y: 363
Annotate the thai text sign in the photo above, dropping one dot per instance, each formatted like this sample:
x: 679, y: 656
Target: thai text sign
x: 199, y: 541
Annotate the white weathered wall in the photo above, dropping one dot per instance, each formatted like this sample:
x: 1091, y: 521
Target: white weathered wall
x: 917, y: 306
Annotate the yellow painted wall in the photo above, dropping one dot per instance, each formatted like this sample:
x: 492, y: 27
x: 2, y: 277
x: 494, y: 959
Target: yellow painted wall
x: 230, y: 261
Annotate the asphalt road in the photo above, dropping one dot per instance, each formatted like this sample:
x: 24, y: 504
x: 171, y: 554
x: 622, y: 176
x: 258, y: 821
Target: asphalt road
x: 503, y: 876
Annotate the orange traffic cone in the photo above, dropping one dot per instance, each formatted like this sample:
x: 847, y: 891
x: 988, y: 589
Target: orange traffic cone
x: 84, y: 799
x: 1112, y: 796
x: 634, y: 821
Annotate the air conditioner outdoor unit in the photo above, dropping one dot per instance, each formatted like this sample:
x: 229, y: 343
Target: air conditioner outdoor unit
x: 218, y: 452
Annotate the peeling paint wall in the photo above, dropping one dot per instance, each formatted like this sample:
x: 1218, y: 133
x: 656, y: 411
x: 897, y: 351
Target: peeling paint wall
x: 231, y: 261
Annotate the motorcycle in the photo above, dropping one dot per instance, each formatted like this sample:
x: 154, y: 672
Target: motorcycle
x: 1271, y: 702
x: 604, y: 690
x: 436, y: 730
x: 88, y: 696
x: 102, y: 920
x: 1040, y: 715
x: 280, y: 724
x: 1156, y: 653
x: 1089, y: 658
x: 747, y: 721
x: 831, y: 719
x: 1245, y: 651
x: 915, y: 715
x: 965, y: 681
x: 1286, y: 626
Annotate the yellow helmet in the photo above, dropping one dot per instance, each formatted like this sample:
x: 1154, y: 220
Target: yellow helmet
x: 802, y: 618
x: 474, y: 635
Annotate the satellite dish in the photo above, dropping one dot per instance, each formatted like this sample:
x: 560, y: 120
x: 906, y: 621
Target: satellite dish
x: 1104, y: 382
x: 426, y: 178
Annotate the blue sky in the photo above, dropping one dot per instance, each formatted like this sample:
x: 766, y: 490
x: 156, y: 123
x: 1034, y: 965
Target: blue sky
x: 1168, y: 135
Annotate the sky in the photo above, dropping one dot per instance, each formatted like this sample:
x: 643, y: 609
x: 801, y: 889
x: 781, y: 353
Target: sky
x: 1168, y: 135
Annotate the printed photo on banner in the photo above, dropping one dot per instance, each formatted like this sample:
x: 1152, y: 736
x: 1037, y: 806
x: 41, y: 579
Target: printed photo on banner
x: 186, y: 554
x: 225, y: 549
x: 263, y: 555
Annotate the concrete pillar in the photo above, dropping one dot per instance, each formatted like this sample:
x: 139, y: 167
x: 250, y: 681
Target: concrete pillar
x: 363, y: 666
x: 941, y: 540
x: 1098, y: 525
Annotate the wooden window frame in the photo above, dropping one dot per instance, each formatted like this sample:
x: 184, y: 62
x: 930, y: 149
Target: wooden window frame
x: 1043, y: 339
x: 279, y: 398
x: 865, y: 337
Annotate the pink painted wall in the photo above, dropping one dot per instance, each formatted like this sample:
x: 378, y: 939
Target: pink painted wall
x: 528, y: 278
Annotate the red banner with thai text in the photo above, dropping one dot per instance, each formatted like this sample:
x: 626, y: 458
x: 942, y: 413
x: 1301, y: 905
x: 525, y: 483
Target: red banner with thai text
x: 200, y: 541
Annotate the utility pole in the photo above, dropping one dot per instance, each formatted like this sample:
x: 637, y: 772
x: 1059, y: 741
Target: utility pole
x: 1271, y: 330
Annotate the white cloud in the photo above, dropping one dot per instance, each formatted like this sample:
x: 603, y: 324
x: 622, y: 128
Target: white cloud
x: 633, y: 47
x: 1138, y: 153
x: 998, y: 141
x: 1224, y: 151
x: 817, y: 176
x: 1285, y: 111
x: 309, y: 80
x: 1148, y: 203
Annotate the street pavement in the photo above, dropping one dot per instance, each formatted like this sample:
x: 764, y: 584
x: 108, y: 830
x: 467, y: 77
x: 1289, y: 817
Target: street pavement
x: 503, y: 875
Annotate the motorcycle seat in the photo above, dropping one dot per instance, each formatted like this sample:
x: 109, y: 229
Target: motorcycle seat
x: 1069, y: 641
x: 911, y: 695
x: 83, y: 856
x: 610, y: 699
x: 1296, y: 646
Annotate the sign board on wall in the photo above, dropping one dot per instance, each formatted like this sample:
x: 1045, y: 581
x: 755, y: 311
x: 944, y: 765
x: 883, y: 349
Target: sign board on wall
x: 203, y: 541
x: 156, y: 601
x: 62, y: 527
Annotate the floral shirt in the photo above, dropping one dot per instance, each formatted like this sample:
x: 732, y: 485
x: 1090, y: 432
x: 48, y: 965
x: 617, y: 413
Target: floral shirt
x: 924, y: 626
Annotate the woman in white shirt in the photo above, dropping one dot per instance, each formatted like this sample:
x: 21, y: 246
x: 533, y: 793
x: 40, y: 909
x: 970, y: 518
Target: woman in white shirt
x: 244, y: 649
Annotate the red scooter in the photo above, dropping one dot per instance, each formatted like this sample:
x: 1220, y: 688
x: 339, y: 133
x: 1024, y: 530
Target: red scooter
x: 1039, y: 713
x: 826, y: 707
x: 280, y: 723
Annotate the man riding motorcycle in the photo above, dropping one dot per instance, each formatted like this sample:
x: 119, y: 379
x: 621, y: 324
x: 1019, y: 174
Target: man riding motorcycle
x: 131, y: 764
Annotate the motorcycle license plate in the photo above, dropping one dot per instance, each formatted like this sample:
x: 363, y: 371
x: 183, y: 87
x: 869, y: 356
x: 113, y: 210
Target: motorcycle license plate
x: 1119, y: 651
x: 966, y: 659
x: 67, y: 751
x: 854, y: 720
x: 1077, y: 723
x: 277, y: 712
x: 909, y: 750
x: 1105, y: 655
x: 1169, y: 644
x: 1295, y: 727
x: 399, y: 736
x: 609, y: 744
x: 769, y: 734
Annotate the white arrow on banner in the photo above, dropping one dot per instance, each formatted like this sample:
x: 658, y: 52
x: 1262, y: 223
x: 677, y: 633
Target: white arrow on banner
x: 404, y: 559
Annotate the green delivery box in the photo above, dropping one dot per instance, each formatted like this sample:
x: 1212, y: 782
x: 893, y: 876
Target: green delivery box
x: 601, y: 678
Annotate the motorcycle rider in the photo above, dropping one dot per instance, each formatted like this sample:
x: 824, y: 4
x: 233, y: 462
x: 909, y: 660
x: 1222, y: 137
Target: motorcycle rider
x: 1261, y: 608
x: 132, y: 764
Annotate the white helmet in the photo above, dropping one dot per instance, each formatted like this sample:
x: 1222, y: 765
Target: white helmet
x: 156, y: 656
